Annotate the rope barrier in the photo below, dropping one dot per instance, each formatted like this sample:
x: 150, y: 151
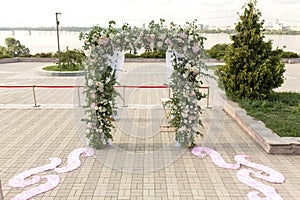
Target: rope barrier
x: 15, y: 86
x: 56, y: 86
x: 72, y: 86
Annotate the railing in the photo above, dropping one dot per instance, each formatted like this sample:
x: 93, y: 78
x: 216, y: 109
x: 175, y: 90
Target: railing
x: 78, y: 90
x: 42, y: 86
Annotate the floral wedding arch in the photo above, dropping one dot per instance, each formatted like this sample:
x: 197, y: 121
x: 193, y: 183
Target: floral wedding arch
x: 104, y: 46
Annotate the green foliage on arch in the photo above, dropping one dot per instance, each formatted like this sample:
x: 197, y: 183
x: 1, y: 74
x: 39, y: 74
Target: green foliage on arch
x: 103, y: 44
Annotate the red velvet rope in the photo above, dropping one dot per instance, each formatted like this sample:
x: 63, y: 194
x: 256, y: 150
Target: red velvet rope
x: 13, y: 86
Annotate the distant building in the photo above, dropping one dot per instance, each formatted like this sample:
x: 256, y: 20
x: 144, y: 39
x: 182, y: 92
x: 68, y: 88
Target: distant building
x: 276, y: 26
x: 201, y: 26
x: 222, y: 28
x: 211, y: 27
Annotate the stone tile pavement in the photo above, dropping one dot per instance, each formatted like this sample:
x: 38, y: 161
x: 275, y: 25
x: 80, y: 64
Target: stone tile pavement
x: 142, y: 163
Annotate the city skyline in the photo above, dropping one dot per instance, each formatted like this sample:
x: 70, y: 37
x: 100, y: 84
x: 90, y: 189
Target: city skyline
x: 34, y: 13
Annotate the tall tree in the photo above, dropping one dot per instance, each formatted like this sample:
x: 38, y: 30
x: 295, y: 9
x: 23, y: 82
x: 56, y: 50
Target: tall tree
x: 252, y: 69
x: 15, y: 48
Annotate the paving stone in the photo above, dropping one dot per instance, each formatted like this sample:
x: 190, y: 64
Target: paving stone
x: 29, y: 136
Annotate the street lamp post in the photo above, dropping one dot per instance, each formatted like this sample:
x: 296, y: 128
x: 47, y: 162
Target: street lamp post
x: 57, y: 23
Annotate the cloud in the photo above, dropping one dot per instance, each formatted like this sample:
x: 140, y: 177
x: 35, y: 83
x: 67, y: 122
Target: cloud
x: 217, y: 3
x: 223, y: 12
x: 287, y: 1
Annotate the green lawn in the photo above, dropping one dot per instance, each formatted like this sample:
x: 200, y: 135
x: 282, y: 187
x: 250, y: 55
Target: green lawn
x: 56, y: 68
x: 280, y: 112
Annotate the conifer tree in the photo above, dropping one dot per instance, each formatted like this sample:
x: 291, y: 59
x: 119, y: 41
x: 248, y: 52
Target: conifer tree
x: 252, y: 69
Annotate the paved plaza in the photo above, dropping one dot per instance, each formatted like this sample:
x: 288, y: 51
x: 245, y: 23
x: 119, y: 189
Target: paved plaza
x: 143, y: 161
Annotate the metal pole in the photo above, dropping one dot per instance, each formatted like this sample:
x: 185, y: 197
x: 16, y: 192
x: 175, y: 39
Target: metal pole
x: 207, y: 98
x: 1, y: 193
x: 34, y: 97
x: 57, y: 23
x: 124, y: 98
x: 78, y: 93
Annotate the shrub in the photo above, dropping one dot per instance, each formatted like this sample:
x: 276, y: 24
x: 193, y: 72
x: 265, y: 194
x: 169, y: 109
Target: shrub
x: 159, y: 53
x: 45, y: 55
x: 3, y: 51
x: 218, y: 51
x: 252, y: 69
x: 289, y: 54
x: 26, y: 56
x: 5, y: 56
x: 71, y: 59
x: 130, y: 55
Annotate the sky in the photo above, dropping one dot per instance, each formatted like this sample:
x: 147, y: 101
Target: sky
x: 41, y: 13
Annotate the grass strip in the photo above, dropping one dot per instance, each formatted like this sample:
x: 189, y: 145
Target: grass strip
x: 56, y: 68
x: 280, y: 112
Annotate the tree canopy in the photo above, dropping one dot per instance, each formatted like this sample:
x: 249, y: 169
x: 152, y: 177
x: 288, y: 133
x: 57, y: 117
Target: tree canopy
x: 252, y: 69
x: 13, y: 48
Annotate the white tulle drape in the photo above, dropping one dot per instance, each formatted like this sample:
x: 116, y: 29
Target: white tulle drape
x: 117, y: 62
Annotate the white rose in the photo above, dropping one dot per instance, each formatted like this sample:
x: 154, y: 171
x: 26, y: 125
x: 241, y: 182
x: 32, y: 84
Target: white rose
x: 90, y: 82
x: 159, y: 44
x: 162, y: 36
x: 99, y: 84
x: 188, y: 65
x: 111, y: 36
x: 94, y: 39
x: 152, y: 36
x: 99, y: 41
x: 180, y: 40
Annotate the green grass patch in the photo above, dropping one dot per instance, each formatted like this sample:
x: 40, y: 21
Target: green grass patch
x: 280, y: 112
x: 56, y: 68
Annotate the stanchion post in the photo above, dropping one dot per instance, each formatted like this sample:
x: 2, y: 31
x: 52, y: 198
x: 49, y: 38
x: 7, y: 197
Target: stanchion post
x: 124, y: 98
x: 78, y: 94
x: 1, y: 193
x: 34, y: 97
x: 207, y: 97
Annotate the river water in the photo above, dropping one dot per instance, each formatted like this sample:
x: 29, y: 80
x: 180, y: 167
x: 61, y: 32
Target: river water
x: 46, y: 41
